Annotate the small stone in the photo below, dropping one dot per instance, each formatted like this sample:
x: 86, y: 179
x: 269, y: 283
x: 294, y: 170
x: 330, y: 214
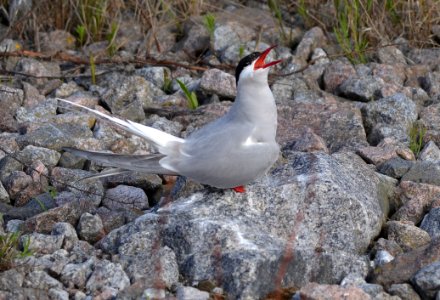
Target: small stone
x: 32, y: 117
x: 389, y: 117
x: 312, y: 39
x: 67, y: 89
x: 41, y: 280
x: 230, y: 33
x: 39, y: 70
x: 391, y: 55
x: 430, y: 83
x: 58, y: 294
x: 425, y: 56
x: 56, y: 41
x: 196, y: 39
x: 14, y: 225
x: 408, y: 236
x: 55, y: 136
x: 90, y: 228
x: 32, y: 153
x: 76, y: 275
x: 42, y: 243
x: 155, y: 75
x: 51, y: 263
x: 423, y: 172
x: 352, y: 279
x: 22, y: 188
x: 392, y: 74
x: 284, y: 89
x: 32, y: 96
x: 152, y: 293
x: 315, y: 291
x: 190, y: 293
x: 430, y: 152
x: 11, y: 280
x: 37, y: 205
x: 362, y: 89
x: 163, y: 124
x: 107, y: 275
x: 404, y: 266
x: 309, y: 141
x: 431, y: 223
x: 336, y: 73
x: 4, y: 196
x: 215, y: 81
x: 382, y: 257
x: 125, y: 197
x: 111, y: 219
x: 373, y: 290
x: 395, y: 167
x: 389, y: 246
x: 416, y: 199
x: 69, y: 212
x: 68, y: 232
x: 127, y: 96
x: 404, y: 291
x: 427, y: 280
x: 90, y: 191
x: 79, y: 295
x: 9, y: 45
x: 71, y: 161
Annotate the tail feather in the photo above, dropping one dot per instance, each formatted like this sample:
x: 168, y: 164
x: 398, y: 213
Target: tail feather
x: 161, y: 140
x: 106, y: 173
x: 142, y: 163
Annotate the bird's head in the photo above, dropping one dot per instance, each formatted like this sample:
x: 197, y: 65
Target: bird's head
x: 254, y: 66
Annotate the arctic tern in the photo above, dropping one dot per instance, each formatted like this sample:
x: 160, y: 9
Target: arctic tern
x: 229, y: 152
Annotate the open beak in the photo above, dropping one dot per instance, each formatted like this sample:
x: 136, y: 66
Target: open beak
x: 261, y: 64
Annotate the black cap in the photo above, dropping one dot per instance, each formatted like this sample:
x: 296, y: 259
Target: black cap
x: 245, y: 61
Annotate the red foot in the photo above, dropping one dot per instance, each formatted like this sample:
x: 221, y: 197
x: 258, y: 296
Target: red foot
x: 239, y: 189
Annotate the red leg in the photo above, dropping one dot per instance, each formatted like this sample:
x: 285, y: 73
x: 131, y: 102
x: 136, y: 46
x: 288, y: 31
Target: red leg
x: 239, y: 189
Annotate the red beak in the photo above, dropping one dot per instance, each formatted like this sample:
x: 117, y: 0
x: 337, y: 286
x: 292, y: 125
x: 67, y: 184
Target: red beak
x: 260, y: 64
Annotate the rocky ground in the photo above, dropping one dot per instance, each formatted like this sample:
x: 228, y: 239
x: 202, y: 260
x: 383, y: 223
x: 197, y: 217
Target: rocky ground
x: 348, y: 211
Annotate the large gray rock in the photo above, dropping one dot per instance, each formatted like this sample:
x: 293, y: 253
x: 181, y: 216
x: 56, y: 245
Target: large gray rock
x: 389, y: 117
x: 306, y: 221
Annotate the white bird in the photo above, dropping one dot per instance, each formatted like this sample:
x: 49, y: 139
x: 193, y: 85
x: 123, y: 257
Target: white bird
x: 229, y: 152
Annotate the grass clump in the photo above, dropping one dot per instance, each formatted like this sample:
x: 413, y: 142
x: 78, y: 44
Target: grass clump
x: 191, y: 97
x: 348, y: 30
x: 9, y: 249
x: 416, y: 134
